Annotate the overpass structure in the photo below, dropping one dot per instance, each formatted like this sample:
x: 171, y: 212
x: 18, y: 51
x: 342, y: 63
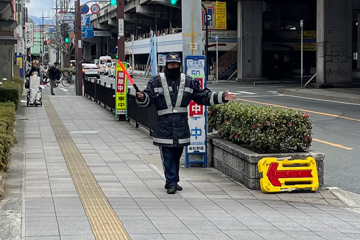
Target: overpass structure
x: 261, y: 38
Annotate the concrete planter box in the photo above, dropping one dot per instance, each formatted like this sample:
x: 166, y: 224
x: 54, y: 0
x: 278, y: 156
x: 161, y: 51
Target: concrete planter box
x: 241, y: 164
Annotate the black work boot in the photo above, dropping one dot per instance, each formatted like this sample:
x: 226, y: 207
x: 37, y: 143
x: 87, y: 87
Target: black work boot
x: 171, y: 190
x: 178, y: 187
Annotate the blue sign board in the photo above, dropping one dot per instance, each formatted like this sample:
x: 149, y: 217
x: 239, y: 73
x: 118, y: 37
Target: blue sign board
x: 196, y: 152
x: 85, y: 19
x: 85, y: 9
x: 52, y: 30
x: 87, y: 31
x: 208, y: 17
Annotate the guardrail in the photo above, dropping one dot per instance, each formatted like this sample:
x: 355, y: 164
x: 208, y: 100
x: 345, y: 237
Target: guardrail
x: 104, y: 94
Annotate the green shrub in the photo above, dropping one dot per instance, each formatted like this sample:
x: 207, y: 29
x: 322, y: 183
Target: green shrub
x: 262, y: 129
x: 70, y: 71
x: 7, y: 117
x: 11, y: 91
x: 6, y: 141
x: 7, y: 138
x: 20, y: 82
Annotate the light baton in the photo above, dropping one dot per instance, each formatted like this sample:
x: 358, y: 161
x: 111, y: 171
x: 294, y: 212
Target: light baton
x: 128, y: 75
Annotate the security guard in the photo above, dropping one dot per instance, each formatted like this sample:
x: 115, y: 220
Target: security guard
x: 171, y: 92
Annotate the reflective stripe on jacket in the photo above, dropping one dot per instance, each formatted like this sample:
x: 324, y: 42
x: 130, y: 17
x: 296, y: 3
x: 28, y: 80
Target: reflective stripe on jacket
x: 172, y: 128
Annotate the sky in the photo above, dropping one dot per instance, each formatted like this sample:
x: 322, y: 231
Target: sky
x: 35, y: 7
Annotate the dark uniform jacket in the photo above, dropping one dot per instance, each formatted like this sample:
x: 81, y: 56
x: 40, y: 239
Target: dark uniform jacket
x: 33, y: 69
x: 54, y: 73
x: 172, y: 128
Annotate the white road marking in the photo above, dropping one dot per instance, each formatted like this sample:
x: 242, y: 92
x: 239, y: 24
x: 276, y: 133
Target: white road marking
x: 65, y: 90
x: 273, y: 92
x: 259, y: 96
x: 322, y: 100
x: 251, y: 93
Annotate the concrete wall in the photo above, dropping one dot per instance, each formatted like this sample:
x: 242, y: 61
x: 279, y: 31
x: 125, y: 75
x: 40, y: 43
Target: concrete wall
x: 249, y: 39
x: 6, y: 61
x: 334, y: 42
x: 173, y: 43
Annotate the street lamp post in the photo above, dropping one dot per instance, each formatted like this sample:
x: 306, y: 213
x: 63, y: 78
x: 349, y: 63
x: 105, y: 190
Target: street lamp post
x: 206, y: 42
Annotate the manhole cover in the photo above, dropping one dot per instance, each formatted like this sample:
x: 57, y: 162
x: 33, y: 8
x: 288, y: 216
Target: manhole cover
x: 85, y: 132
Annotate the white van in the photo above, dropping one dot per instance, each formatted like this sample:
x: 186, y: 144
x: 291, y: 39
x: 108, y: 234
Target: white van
x: 104, y: 62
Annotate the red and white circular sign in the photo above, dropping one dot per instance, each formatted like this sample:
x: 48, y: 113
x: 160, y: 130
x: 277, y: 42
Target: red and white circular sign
x: 95, y: 8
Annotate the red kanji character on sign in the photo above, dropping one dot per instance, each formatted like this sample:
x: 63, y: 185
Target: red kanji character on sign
x: 195, y: 109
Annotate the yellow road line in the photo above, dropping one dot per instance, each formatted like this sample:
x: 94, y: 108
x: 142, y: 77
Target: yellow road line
x: 303, y: 110
x: 332, y: 144
x: 190, y: 34
x: 103, y: 220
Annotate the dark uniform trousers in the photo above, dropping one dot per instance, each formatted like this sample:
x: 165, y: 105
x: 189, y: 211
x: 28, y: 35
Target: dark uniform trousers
x: 171, y: 163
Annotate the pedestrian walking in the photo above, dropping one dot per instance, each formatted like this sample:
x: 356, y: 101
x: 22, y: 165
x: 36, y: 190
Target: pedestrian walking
x: 171, y: 93
x: 54, y: 74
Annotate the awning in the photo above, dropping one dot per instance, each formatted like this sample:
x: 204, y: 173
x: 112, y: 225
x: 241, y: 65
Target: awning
x: 8, y: 25
x: 6, y: 10
x: 8, y: 40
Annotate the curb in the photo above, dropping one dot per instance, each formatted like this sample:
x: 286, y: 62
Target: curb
x: 2, y: 183
x: 345, y: 198
x: 317, y: 96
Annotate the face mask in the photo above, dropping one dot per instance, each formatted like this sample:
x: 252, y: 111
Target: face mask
x: 173, y: 72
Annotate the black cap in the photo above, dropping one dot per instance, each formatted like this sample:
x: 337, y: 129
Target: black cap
x: 56, y: 63
x: 173, y: 58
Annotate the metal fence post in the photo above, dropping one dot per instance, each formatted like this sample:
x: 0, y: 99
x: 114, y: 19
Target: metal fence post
x: 95, y: 82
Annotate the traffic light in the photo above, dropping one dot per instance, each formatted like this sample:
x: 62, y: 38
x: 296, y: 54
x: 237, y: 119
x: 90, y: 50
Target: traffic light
x: 173, y: 2
x: 64, y: 29
x: 66, y: 40
x: 113, y: 2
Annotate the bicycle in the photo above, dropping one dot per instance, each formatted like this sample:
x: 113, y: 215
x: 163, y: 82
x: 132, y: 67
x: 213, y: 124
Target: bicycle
x: 66, y: 81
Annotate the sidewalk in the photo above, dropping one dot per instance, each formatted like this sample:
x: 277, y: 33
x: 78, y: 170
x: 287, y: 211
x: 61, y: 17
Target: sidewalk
x: 88, y: 176
x: 348, y: 95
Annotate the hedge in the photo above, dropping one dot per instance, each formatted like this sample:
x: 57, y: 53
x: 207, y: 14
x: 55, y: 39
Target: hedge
x: 71, y: 71
x: 262, y: 129
x: 11, y: 91
x: 7, y: 138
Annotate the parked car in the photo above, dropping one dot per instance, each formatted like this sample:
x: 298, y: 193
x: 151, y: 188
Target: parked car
x: 113, y: 70
x: 91, y: 70
x: 104, y: 62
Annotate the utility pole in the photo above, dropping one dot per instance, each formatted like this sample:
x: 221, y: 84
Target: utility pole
x: 42, y: 37
x: 57, y: 29
x: 78, y: 48
x: 121, y: 30
x: 191, y: 27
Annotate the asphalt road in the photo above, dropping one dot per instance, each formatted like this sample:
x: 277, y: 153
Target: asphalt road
x: 336, y: 126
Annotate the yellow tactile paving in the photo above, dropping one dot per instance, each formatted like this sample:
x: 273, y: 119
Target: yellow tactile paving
x: 103, y: 220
